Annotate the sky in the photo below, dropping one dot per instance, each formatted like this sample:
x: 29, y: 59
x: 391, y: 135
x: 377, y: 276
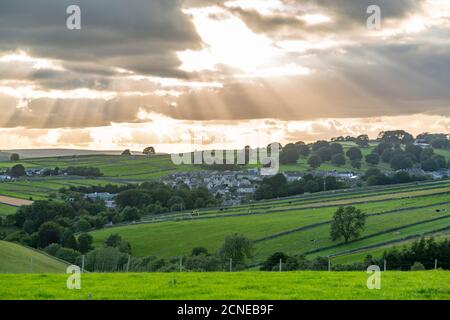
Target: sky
x: 188, y: 74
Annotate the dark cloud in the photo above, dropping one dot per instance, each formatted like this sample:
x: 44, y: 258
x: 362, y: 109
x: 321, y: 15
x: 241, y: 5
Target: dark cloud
x: 346, y: 15
x: 140, y: 35
x: 75, y: 113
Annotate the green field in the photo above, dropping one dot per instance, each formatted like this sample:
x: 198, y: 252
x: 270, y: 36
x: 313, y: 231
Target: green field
x: 298, y: 225
x: 6, y: 210
x: 230, y: 286
x: 378, y: 252
x: 129, y: 168
x: 18, y: 259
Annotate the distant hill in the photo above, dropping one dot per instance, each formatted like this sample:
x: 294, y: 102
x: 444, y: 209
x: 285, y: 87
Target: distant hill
x: 18, y: 259
x: 44, y: 153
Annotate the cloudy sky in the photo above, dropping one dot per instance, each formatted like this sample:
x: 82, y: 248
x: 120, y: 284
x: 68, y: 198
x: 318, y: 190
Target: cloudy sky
x: 220, y: 72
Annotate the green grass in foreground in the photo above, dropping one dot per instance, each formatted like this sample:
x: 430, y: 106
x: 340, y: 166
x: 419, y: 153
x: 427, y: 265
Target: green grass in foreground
x: 230, y: 286
x: 18, y: 259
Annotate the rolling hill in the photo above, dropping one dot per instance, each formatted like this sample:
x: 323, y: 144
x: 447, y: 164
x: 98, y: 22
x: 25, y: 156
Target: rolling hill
x: 18, y: 259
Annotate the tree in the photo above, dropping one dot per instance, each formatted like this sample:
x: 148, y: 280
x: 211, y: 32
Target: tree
x: 314, y: 162
x: 15, y: 157
x: 362, y: 141
x: 199, y: 251
x: 264, y: 191
x: 83, y: 225
x: 440, y: 143
x: 400, y: 161
x: 85, y: 242
x: 396, y: 137
x: 18, y: 170
x: 48, y: 233
x: 131, y: 214
x: 413, y: 149
x: 303, y: 150
x: 354, y: 153
x: 68, y: 240
x: 149, y: 151
x: 348, y: 223
x: 320, y: 144
x: 387, y: 155
x: 381, y: 147
x: 236, y: 247
x: 134, y: 198
x: 336, y: 148
x: 356, y: 164
x: 338, y: 159
x: 426, y: 154
x: 373, y: 159
x: 289, y: 155
x: 113, y: 240
x: 269, y: 146
x: 126, y: 152
x: 324, y: 153
x: 274, y: 261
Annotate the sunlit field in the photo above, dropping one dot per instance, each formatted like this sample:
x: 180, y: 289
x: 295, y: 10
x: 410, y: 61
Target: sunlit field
x: 230, y: 286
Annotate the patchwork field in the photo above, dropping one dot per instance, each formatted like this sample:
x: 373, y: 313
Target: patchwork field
x: 230, y: 286
x: 298, y: 225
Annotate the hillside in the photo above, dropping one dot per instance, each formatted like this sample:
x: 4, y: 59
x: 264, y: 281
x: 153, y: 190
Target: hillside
x: 296, y: 225
x: 19, y: 259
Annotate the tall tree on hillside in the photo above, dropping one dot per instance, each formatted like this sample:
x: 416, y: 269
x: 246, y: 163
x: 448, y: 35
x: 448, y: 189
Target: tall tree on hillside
x: 396, y: 137
x: 314, y: 162
x: 354, y: 154
x: 149, y: 151
x: 238, y: 248
x: 15, y: 157
x: 362, y: 141
x: 348, y: 223
x: 17, y: 171
x: 126, y: 152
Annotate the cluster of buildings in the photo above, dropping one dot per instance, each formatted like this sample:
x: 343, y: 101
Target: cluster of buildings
x: 236, y: 186
x: 107, y: 197
x: 33, y: 172
x: 434, y: 175
x: 232, y: 186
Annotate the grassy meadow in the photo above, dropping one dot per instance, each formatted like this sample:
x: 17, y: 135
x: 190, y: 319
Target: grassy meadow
x: 18, y: 259
x: 300, y: 226
x: 230, y: 286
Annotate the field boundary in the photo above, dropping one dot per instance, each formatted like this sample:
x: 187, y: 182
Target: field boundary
x: 383, y: 232
x: 315, y: 225
x: 381, y: 244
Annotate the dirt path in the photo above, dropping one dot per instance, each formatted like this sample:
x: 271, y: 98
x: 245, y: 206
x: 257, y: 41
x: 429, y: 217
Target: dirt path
x: 14, y: 201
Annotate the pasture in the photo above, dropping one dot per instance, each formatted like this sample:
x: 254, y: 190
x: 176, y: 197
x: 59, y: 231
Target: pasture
x: 17, y: 259
x: 298, y: 226
x: 230, y: 286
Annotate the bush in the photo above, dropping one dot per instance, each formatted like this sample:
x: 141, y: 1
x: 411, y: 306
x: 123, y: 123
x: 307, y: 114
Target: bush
x: 314, y: 162
x: 338, y: 159
x: 373, y: 159
x: 417, y: 266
